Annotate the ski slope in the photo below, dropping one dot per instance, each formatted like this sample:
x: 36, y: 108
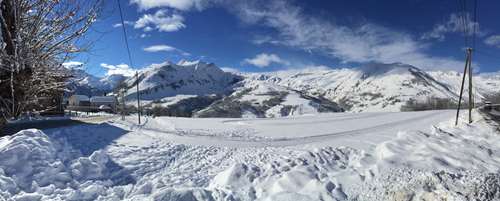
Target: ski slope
x: 357, y: 130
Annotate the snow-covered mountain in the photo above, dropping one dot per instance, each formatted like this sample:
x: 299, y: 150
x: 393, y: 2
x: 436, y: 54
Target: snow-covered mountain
x: 253, y: 98
x: 377, y: 87
x: 203, y: 90
x: 82, y: 82
x: 185, y: 78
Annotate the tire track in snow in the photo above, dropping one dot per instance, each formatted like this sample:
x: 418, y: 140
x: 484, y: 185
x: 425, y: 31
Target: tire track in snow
x: 282, y: 142
x: 346, y: 118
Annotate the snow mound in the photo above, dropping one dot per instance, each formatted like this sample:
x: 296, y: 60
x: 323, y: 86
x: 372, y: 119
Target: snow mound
x: 447, y: 163
x: 308, y: 177
x: 446, y: 147
x: 34, y: 166
x: 413, y: 184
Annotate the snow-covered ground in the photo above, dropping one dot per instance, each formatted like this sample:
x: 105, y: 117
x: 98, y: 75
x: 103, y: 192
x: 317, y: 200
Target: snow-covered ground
x: 341, y: 156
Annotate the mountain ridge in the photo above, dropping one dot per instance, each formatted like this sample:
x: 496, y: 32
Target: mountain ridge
x: 369, y: 88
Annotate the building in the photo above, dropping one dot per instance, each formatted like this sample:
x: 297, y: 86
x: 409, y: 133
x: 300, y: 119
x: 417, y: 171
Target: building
x: 97, y: 103
x: 78, y: 100
x: 104, y: 102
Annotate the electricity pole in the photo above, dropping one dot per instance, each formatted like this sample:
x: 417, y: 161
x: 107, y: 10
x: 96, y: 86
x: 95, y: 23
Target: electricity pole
x: 123, y: 104
x: 471, y: 96
x: 138, y: 98
x: 467, y: 70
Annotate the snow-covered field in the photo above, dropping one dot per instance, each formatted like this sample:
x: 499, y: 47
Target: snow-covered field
x: 339, y: 156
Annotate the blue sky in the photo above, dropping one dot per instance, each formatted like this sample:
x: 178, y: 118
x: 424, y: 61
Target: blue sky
x: 258, y: 35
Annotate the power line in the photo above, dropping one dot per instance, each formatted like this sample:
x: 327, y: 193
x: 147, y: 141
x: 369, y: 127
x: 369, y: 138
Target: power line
x: 461, y: 14
x: 476, y: 24
x: 130, y: 61
x: 125, y: 34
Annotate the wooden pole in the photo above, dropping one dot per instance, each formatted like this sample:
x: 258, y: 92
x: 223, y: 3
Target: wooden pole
x: 123, y: 104
x: 471, y: 96
x: 138, y: 98
x: 462, y: 88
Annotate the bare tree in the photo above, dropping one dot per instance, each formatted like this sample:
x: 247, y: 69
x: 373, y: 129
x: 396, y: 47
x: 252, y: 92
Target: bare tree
x: 37, y: 36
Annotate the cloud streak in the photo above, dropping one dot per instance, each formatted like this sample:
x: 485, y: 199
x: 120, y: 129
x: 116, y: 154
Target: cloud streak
x: 159, y: 48
x: 453, y: 24
x: 176, y: 4
x: 165, y: 48
x: 493, y: 40
x: 264, y: 60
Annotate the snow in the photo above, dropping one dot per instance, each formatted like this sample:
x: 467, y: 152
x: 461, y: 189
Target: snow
x: 167, y: 101
x: 339, y: 156
x: 376, y: 87
x: 166, y: 79
x: 101, y: 99
x: 34, y: 166
x: 82, y: 79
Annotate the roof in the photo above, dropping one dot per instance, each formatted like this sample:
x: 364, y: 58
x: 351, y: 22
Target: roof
x: 80, y: 97
x: 104, y: 107
x: 110, y: 99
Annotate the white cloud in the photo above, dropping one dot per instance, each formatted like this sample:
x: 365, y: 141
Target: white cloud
x: 264, y: 60
x: 161, y: 21
x: 120, y: 24
x: 73, y: 65
x: 454, y: 24
x: 165, y: 48
x: 120, y: 69
x: 159, y: 48
x: 493, y: 40
x: 177, y: 4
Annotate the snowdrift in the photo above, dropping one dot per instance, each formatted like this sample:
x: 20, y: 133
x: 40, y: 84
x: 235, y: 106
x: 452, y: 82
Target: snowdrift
x: 446, y: 163
x: 34, y: 166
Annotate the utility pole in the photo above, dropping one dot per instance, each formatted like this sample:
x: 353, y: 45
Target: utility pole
x: 471, y: 96
x: 467, y: 70
x: 123, y: 104
x: 138, y: 98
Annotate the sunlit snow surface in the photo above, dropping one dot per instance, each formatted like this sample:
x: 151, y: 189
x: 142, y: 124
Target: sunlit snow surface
x: 365, y: 156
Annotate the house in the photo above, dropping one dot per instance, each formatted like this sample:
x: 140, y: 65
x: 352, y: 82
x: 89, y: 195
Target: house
x: 78, y: 100
x: 104, y: 102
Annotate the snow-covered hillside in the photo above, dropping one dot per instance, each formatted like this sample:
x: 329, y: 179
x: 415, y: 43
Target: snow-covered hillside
x: 376, y: 87
x: 263, y: 99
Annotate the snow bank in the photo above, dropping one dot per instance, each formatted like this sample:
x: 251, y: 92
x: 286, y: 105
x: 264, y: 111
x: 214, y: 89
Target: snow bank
x: 447, y: 163
x: 34, y: 166
x: 466, y: 147
x: 311, y: 176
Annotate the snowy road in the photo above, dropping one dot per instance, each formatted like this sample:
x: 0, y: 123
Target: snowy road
x: 361, y: 130
x: 54, y: 123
